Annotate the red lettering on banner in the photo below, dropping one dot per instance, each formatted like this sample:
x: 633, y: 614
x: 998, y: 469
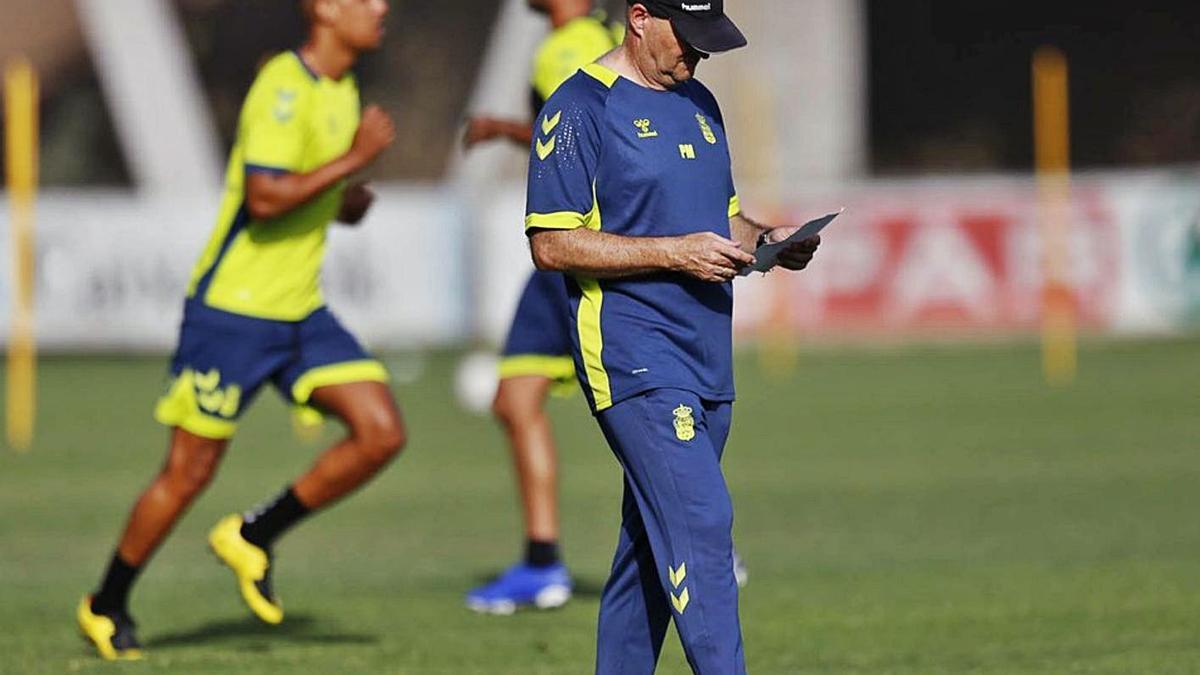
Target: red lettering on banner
x: 952, y: 263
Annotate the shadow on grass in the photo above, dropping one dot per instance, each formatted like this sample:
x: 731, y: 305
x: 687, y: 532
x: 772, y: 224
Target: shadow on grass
x: 588, y: 588
x: 299, y: 629
x: 584, y: 588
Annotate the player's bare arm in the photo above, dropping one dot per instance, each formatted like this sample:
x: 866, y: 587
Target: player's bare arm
x: 601, y: 255
x: 482, y: 129
x: 270, y: 196
x: 748, y: 231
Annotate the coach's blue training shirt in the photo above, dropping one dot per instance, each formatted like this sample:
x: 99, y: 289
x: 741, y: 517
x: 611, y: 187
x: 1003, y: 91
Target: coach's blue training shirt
x: 614, y: 156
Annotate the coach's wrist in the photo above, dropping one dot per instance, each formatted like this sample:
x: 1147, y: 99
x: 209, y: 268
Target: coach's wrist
x: 672, y: 253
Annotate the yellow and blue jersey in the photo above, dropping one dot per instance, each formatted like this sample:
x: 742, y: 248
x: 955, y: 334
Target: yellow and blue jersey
x: 293, y: 121
x: 613, y: 156
x: 254, y: 312
x: 567, y: 49
x: 539, y: 340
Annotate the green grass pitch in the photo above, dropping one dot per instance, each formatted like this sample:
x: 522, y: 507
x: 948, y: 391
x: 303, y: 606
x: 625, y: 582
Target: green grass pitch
x: 911, y: 511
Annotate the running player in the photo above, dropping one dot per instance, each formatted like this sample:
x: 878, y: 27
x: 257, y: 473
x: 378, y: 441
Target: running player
x: 537, y: 354
x: 255, y: 314
x: 631, y: 193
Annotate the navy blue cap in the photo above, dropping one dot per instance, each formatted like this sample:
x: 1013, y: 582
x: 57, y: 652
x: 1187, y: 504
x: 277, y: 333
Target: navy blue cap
x: 703, y: 24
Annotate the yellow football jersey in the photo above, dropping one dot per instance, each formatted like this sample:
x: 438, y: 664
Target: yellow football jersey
x: 566, y: 50
x: 293, y: 121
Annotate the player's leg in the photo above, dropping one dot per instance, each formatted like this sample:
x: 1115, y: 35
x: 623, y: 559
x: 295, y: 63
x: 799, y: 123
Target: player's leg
x: 535, y: 361
x: 221, y: 361
x: 375, y: 434
x: 540, y: 580
x: 520, y: 407
x: 663, y: 441
x: 189, y: 467
x: 331, y: 373
x: 634, y: 612
x: 374, y: 437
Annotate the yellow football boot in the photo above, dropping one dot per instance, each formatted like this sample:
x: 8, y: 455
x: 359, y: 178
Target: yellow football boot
x: 112, y: 634
x: 250, y: 564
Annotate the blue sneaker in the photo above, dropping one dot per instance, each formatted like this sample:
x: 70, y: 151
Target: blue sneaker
x: 523, y: 586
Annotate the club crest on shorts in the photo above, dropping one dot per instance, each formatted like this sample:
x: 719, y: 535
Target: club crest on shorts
x: 706, y: 129
x: 685, y: 424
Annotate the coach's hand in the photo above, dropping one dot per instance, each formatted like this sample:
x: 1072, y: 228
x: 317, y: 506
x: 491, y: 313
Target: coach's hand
x: 797, y: 256
x: 376, y: 132
x: 709, y: 257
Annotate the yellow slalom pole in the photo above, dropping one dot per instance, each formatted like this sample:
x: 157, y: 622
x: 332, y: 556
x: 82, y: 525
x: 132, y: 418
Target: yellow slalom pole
x: 1052, y: 150
x: 21, y: 164
x: 778, y: 346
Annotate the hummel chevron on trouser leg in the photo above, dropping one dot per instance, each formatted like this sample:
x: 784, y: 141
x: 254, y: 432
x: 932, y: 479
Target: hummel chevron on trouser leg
x: 669, y: 443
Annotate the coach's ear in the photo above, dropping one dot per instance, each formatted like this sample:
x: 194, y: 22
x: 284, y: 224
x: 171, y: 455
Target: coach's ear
x: 636, y: 19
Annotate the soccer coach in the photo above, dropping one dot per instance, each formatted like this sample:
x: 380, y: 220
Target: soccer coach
x: 631, y: 194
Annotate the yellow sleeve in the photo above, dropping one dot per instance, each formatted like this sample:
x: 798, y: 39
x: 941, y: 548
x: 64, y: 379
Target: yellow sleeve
x: 566, y: 51
x: 272, y: 125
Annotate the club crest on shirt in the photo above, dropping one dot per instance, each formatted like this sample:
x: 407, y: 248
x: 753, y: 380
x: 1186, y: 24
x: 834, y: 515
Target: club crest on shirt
x: 706, y: 129
x: 685, y: 424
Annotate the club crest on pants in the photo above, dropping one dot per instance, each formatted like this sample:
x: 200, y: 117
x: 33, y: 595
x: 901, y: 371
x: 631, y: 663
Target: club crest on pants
x: 685, y: 424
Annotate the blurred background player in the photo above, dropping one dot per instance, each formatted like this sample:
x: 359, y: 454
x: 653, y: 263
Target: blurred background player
x: 254, y: 313
x: 537, y: 354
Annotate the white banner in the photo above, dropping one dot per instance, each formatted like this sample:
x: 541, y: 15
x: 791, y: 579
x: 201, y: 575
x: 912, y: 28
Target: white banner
x: 946, y: 256
x: 1160, y: 240
x: 112, y: 269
